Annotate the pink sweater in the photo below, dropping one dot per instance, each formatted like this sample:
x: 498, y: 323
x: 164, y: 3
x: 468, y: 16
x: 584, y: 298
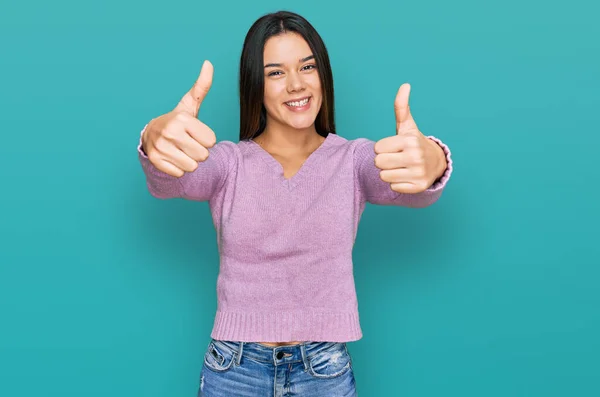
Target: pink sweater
x: 286, y: 271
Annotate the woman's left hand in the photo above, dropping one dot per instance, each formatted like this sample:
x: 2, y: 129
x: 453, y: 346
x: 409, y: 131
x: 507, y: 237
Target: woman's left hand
x: 409, y: 161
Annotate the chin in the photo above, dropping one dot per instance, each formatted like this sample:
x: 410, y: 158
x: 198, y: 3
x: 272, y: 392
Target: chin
x: 301, y: 122
x: 302, y: 125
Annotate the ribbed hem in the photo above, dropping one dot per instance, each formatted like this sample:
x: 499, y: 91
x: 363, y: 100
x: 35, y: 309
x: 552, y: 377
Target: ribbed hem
x: 287, y: 326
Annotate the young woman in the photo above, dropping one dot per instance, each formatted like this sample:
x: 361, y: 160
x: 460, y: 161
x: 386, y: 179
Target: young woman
x: 286, y: 202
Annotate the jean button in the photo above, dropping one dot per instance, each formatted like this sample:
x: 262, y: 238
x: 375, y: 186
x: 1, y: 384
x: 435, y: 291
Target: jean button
x: 279, y: 355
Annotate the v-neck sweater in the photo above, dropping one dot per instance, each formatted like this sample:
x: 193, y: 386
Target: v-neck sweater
x: 285, y: 245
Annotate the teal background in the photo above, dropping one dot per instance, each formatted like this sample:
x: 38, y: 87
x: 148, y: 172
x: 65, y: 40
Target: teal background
x: 493, y: 291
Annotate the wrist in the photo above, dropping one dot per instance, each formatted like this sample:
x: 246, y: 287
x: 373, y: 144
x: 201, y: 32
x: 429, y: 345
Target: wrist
x: 441, y: 163
x: 143, y: 140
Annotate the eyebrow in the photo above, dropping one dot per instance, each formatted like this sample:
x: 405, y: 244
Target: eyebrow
x: 270, y: 65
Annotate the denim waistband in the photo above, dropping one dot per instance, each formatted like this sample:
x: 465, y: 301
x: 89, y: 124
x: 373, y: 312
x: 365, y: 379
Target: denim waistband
x: 276, y: 355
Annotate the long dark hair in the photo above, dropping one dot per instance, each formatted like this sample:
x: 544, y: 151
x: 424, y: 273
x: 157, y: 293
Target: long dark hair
x: 253, y: 115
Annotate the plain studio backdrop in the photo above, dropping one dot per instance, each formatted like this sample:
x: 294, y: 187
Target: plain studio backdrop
x: 492, y: 291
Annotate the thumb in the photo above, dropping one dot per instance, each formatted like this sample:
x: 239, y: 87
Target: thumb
x: 191, y: 101
x: 404, y: 119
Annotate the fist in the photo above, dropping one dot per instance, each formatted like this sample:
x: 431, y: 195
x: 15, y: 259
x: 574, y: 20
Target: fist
x: 177, y: 141
x: 409, y: 161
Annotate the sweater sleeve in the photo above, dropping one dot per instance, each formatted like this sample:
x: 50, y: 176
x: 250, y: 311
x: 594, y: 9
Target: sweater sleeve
x: 376, y: 191
x: 201, y: 184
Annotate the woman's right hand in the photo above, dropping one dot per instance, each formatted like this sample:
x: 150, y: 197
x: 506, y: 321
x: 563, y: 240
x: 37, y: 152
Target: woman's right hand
x: 176, y: 141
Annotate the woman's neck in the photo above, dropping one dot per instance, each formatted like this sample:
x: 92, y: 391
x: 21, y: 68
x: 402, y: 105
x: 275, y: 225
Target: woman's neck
x: 289, y: 140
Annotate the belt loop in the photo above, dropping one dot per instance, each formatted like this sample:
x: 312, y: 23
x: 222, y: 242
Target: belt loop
x: 239, y: 355
x: 304, y: 358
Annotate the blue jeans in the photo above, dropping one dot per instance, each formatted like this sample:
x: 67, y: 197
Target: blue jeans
x: 244, y: 369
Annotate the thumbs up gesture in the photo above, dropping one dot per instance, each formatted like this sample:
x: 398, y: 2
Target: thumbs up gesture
x: 409, y: 161
x: 176, y: 141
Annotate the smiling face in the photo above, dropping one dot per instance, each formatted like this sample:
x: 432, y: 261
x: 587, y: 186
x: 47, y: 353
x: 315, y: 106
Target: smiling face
x: 292, y: 94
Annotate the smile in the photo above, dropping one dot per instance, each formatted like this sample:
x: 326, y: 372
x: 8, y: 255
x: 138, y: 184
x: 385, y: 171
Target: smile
x: 302, y: 104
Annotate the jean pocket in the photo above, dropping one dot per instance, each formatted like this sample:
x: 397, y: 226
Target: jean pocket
x: 218, y: 357
x: 330, y: 362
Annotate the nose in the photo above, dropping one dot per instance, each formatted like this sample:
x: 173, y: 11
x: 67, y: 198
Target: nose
x: 295, y: 83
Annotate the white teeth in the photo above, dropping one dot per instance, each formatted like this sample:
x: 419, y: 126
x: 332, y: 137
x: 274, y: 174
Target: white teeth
x: 299, y: 103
